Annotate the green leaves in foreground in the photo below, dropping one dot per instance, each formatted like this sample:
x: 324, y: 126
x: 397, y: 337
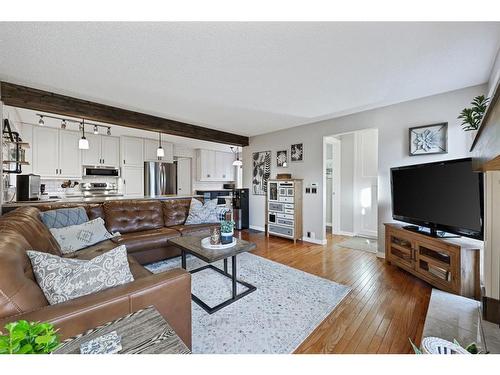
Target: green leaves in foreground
x: 23, y: 337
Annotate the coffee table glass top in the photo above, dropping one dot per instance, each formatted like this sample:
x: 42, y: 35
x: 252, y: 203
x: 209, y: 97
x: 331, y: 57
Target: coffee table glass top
x: 192, y: 244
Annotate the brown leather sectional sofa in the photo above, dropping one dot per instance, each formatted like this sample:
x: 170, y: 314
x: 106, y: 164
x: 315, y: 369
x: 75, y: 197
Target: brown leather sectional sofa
x: 145, y: 227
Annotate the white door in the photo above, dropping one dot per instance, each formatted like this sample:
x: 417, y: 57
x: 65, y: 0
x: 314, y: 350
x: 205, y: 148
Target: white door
x: 150, y: 146
x: 184, y: 176
x: 365, y: 182
x: 92, y: 156
x: 110, y: 151
x: 70, y: 164
x: 336, y: 172
x: 46, y: 151
x: 132, y: 151
x: 133, y: 180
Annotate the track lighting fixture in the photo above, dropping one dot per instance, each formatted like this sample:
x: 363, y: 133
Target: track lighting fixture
x: 63, y: 124
x: 41, y: 122
x: 83, y: 143
x: 160, y: 152
x: 96, y: 129
x: 109, y: 131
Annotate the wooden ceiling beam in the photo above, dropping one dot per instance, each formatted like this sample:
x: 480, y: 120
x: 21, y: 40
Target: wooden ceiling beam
x: 30, y: 98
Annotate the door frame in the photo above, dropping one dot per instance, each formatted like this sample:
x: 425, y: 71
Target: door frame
x: 336, y: 182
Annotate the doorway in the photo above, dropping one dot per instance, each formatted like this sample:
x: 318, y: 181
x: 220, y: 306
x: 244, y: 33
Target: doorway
x: 351, y: 183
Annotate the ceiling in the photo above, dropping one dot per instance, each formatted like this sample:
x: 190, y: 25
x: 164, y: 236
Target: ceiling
x: 248, y: 78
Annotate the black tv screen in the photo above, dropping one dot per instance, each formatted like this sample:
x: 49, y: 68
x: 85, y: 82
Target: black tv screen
x: 444, y: 196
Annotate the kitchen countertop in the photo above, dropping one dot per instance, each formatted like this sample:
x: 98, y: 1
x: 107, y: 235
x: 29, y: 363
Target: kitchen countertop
x: 96, y: 199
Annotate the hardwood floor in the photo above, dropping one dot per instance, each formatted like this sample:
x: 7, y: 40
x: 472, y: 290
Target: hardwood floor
x: 385, y: 307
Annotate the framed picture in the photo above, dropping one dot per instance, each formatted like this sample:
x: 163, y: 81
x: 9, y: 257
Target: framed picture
x: 282, y: 159
x: 429, y: 139
x: 297, y: 152
x: 261, y: 172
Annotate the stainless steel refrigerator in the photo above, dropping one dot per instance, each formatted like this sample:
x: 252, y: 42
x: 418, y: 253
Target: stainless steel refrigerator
x: 160, y: 178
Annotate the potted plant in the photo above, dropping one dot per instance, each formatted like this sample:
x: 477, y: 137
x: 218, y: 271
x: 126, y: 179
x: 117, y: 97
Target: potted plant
x: 226, y: 231
x: 471, y: 117
x: 23, y: 337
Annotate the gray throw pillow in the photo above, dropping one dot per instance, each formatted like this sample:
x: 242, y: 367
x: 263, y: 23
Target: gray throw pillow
x: 77, y: 237
x: 64, y: 217
x: 200, y: 213
x: 63, y: 279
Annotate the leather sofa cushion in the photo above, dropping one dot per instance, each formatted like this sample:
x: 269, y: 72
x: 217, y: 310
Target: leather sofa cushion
x: 195, y: 229
x: 146, y: 240
x: 19, y: 291
x: 26, y: 221
x: 133, y: 215
x: 175, y: 211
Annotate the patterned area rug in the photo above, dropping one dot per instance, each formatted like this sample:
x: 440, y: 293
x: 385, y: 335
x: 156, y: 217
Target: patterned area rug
x: 286, y: 307
x: 360, y: 243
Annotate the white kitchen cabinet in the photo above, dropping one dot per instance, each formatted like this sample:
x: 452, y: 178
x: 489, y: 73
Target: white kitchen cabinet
x: 132, y: 152
x: 133, y: 180
x: 70, y: 162
x: 46, y: 151
x: 104, y: 150
x: 214, y: 165
x: 150, y: 147
x: 56, y: 153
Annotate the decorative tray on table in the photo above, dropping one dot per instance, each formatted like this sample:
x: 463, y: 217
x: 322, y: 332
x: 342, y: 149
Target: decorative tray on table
x: 205, y: 242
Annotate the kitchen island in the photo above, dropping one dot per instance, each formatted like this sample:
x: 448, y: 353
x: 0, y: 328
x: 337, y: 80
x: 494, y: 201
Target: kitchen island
x: 6, y: 207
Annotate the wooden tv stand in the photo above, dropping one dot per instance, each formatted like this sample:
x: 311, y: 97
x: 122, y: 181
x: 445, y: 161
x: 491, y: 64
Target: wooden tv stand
x: 448, y: 264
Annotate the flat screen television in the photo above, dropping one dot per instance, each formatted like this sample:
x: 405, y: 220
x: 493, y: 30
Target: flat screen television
x: 444, y: 196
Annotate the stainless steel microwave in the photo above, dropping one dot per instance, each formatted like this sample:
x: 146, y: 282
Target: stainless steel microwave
x: 91, y: 171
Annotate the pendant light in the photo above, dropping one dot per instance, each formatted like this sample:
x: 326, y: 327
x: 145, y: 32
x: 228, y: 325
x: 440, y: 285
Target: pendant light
x: 83, y: 143
x: 96, y: 129
x: 237, y: 162
x: 160, y: 152
x: 63, y: 124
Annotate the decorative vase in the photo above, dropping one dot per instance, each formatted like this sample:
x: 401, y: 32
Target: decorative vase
x: 215, y: 236
x: 226, y: 238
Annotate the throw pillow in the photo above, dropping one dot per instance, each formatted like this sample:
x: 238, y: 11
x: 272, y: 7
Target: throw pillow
x: 221, y: 212
x: 64, y: 217
x: 63, y: 279
x: 200, y: 213
x: 80, y: 236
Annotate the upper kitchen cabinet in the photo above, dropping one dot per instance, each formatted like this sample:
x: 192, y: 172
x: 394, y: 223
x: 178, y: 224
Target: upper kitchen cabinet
x: 132, y: 151
x: 214, y: 165
x: 56, y: 153
x: 150, y: 147
x: 104, y: 150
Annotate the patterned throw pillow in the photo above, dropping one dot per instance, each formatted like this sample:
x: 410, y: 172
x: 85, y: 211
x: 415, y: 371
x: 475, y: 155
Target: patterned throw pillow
x: 221, y: 212
x: 200, y: 213
x: 62, y: 279
x: 80, y: 236
x: 64, y: 217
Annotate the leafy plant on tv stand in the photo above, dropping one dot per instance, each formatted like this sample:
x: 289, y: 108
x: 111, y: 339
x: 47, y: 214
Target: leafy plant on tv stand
x: 25, y: 337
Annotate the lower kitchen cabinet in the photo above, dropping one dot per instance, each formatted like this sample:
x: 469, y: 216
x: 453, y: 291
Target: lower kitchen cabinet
x: 133, y: 180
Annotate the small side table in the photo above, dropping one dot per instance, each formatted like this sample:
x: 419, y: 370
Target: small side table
x: 142, y: 332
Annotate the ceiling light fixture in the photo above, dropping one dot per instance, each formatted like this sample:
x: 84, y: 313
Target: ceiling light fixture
x: 63, y: 124
x: 160, y: 152
x: 96, y: 129
x: 83, y: 143
x: 237, y: 162
x: 41, y: 122
x: 109, y: 131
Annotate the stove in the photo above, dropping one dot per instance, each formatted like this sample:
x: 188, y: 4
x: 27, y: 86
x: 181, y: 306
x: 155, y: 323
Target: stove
x: 99, y: 189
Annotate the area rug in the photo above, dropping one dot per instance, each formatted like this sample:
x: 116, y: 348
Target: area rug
x: 360, y: 243
x: 286, y: 307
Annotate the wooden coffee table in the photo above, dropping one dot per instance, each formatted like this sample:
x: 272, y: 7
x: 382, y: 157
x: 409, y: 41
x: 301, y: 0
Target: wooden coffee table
x: 192, y: 245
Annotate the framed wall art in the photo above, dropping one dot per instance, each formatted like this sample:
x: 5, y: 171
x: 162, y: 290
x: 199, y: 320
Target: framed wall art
x: 297, y: 152
x: 429, y: 139
x: 261, y: 172
x: 282, y: 159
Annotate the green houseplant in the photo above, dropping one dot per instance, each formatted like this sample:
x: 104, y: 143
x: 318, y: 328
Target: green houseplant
x: 23, y: 337
x: 226, y: 231
x: 471, y: 117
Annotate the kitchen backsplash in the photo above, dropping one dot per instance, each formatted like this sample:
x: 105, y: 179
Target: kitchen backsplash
x: 54, y: 186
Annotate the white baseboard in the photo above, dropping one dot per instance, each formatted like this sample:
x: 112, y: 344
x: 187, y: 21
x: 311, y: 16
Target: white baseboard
x: 329, y: 224
x: 344, y: 233
x: 380, y: 255
x: 314, y: 240
x: 255, y: 227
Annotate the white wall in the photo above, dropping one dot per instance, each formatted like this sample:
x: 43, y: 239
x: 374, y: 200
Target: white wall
x: 494, y: 75
x: 391, y: 121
